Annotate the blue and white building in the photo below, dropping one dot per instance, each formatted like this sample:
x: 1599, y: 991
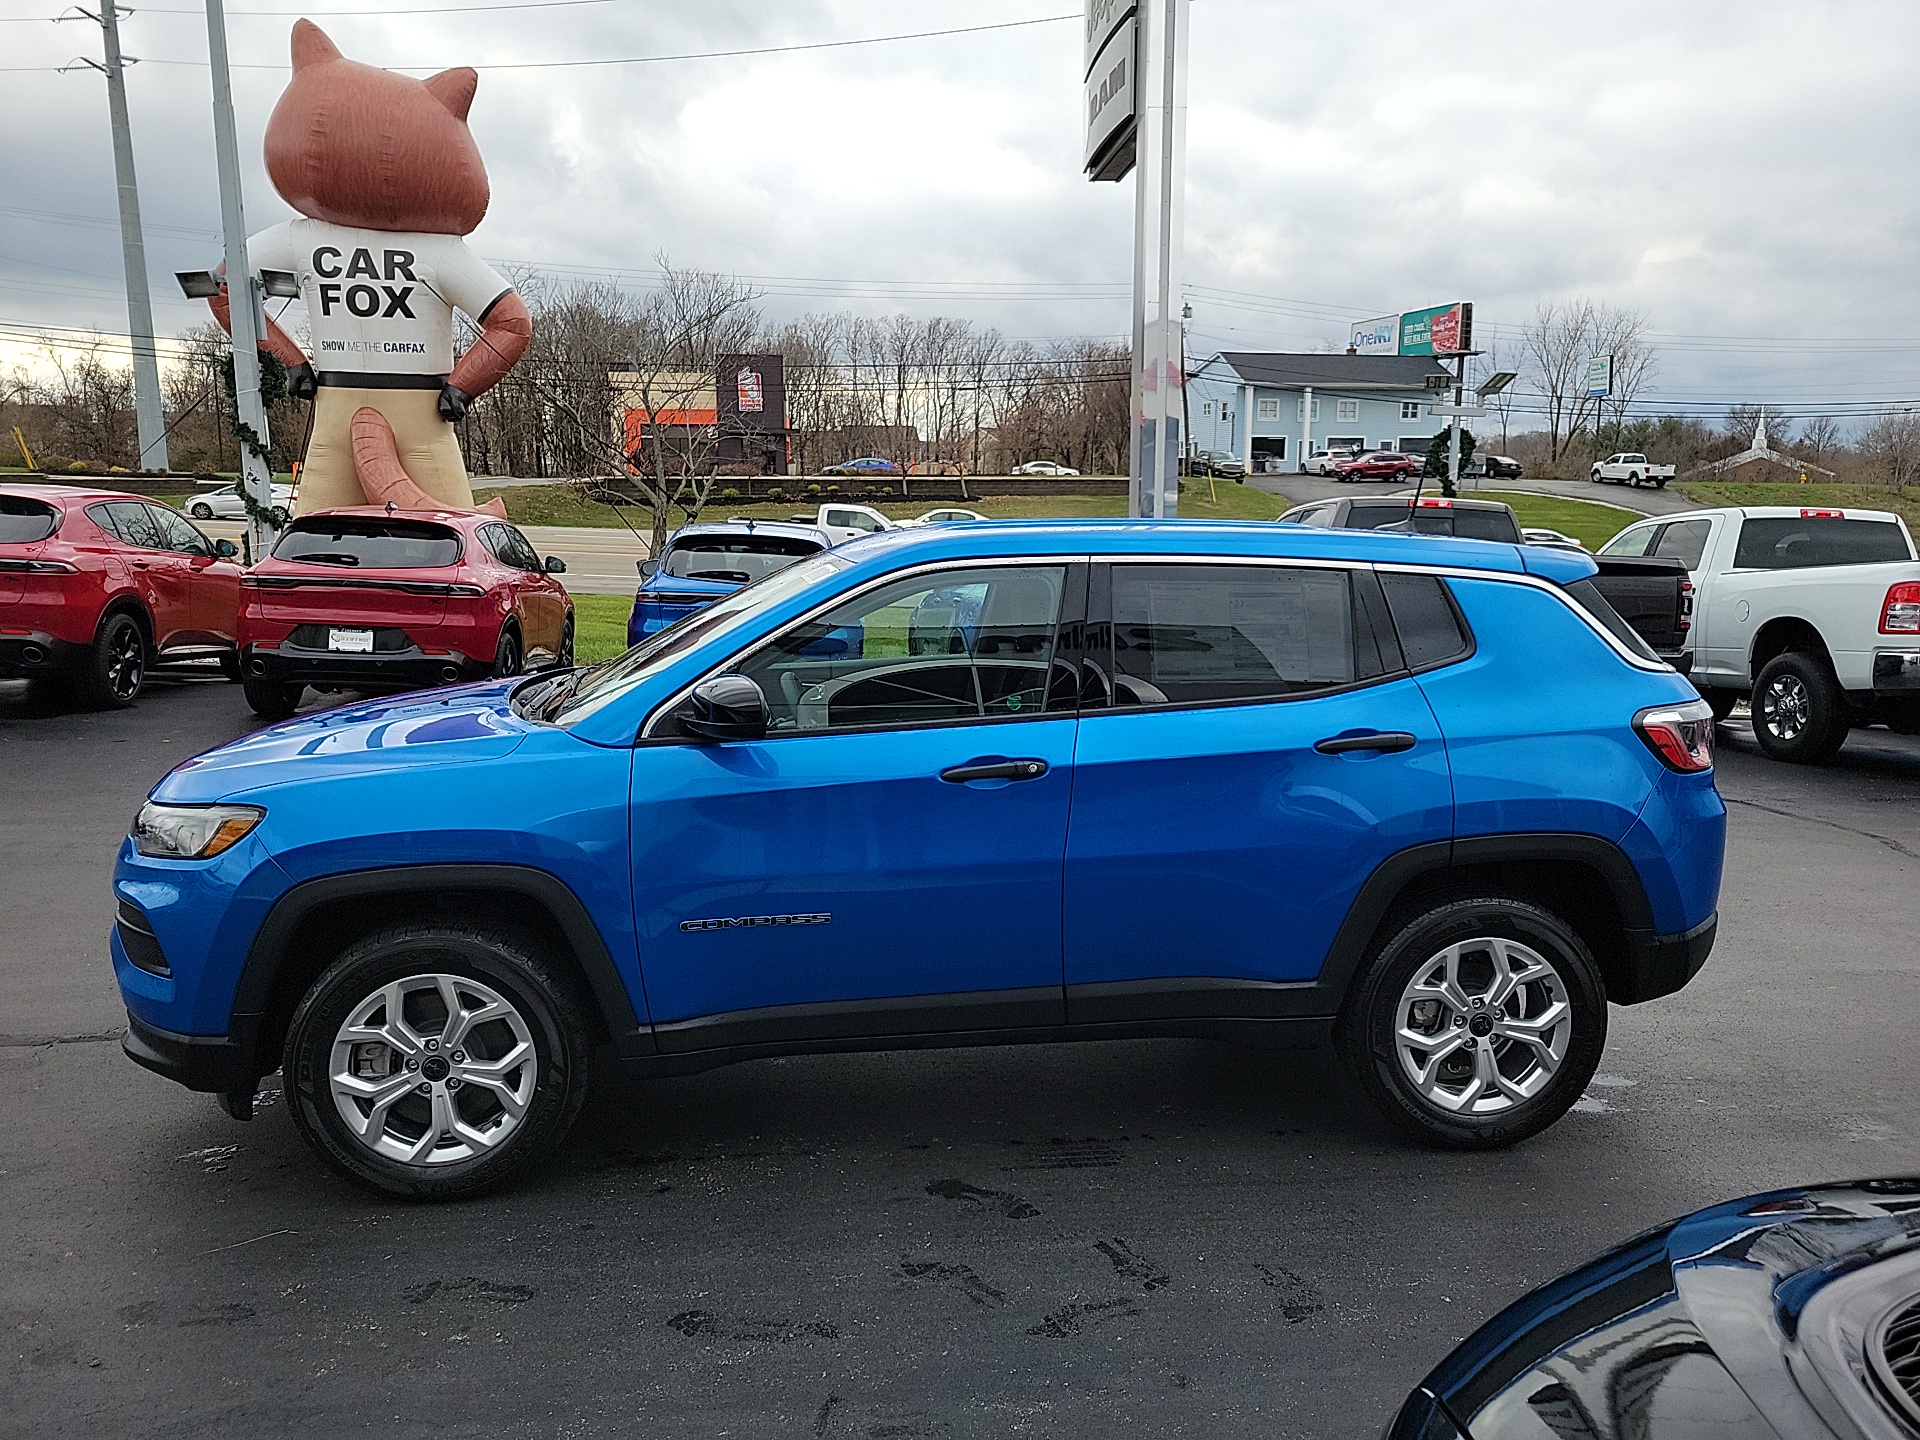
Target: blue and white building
x: 1273, y: 410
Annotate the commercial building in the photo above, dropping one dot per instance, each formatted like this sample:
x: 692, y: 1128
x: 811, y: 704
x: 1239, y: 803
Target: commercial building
x: 1272, y: 410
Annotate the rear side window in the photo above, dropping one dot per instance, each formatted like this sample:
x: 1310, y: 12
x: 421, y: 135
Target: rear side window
x: 1431, y: 630
x: 369, y: 544
x: 1630, y: 542
x: 739, y: 559
x: 23, y: 521
x: 1187, y: 633
x: 1597, y: 605
x: 1798, y: 542
x: 135, y: 524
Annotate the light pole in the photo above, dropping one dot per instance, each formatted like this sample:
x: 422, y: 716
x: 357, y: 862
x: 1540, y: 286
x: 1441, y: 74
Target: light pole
x: 1186, y: 406
x: 148, y: 413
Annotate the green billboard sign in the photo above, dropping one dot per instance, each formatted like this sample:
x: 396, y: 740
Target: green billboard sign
x: 1440, y: 330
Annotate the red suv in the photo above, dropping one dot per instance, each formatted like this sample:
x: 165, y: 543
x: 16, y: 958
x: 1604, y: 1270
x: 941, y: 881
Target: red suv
x: 97, y: 587
x: 1376, y: 465
x: 390, y: 600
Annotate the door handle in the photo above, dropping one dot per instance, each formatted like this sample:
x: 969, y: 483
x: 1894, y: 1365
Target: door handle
x: 995, y: 770
x: 1389, y: 741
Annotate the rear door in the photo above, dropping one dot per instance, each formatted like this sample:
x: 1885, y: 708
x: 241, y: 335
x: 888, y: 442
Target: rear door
x: 1255, y: 749
x: 161, y: 576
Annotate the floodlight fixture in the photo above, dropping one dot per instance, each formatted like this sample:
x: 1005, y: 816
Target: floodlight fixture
x: 282, y: 284
x: 198, y: 284
x: 1495, y: 383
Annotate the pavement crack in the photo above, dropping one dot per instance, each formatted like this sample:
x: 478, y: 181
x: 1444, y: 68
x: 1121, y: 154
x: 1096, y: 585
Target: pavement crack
x: 1886, y: 840
x: 31, y: 1042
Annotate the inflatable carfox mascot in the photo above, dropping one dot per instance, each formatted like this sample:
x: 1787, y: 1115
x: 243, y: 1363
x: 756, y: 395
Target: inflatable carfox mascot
x: 388, y: 179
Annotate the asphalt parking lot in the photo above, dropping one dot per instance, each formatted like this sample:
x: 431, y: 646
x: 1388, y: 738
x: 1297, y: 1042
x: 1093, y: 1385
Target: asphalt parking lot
x: 1151, y: 1238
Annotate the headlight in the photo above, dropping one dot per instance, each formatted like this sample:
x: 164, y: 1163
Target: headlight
x: 192, y: 832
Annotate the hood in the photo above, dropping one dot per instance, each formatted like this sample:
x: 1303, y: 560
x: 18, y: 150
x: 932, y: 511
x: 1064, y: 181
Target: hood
x: 1778, y: 1290
x: 436, y: 727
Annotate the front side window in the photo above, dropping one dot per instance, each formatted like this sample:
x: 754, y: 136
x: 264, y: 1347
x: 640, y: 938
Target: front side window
x: 1189, y: 633
x: 965, y: 644
x: 1685, y: 541
x: 1269, y: 409
x: 178, y: 534
x: 1800, y: 542
x: 1409, y: 409
x: 1303, y: 409
x: 1349, y: 411
x: 1631, y: 542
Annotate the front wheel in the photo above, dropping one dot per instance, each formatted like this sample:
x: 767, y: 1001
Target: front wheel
x: 563, y: 658
x: 1800, y: 714
x: 437, y: 1061
x: 1596, y: 477
x: 1478, y: 1024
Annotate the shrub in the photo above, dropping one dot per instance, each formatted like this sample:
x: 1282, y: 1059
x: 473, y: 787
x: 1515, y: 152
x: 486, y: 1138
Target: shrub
x: 833, y: 489
x: 813, y: 489
x: 729, y: 494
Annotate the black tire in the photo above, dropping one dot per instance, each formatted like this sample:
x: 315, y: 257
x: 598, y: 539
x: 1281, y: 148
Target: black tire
x: 543, y: 999
x: 1633, y: 478
x: 1800, y: 714
x: 1722, y: 702
x: 507, y: 654
x: 271, y: 699
x: 1904, y: 719
x: 1659, y: 484
x: 563, y: 657
x: 1368, y: 1025
x: 112, y: 677
x: 1595, y: 477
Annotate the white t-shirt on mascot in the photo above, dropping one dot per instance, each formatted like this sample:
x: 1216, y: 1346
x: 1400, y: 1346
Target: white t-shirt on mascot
x: 379, y: 302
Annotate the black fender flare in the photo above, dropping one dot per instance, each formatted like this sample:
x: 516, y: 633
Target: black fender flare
x: 275, y: 938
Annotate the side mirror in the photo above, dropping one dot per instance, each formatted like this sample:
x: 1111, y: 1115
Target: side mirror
x: 647, y: 568
x: 727, y: 707
x: 555, y: 565
x: 225, y: 549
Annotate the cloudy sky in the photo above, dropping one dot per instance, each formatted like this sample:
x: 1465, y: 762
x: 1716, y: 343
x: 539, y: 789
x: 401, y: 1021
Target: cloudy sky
x: 1740, y: 172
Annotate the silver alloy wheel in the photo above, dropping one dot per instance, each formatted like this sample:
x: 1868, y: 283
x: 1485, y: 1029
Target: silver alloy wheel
x: 1482, y: 1026
x: 1786, y: 707
x: 433, y: 1069
x: 126, y: 662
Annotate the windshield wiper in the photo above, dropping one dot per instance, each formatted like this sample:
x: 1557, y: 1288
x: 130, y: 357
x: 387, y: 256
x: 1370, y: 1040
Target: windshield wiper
x: 327, y: 557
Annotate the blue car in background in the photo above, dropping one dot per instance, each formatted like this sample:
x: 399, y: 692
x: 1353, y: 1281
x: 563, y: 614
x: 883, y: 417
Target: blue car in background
x: 1424, y: 798
x: 703, y: 562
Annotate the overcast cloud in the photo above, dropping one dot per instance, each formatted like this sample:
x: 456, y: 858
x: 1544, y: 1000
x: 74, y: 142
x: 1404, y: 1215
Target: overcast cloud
x: 1738, y: 171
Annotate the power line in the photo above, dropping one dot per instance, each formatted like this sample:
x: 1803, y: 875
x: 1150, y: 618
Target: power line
x: 639, y: 59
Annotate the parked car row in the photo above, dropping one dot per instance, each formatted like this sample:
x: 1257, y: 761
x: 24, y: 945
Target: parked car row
x: 98, y: 589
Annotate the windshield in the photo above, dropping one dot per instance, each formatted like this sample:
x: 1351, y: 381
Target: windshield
x: 606, y: 683
x: 369, y: 544
x: 741, y: 559
x: 22, y: 521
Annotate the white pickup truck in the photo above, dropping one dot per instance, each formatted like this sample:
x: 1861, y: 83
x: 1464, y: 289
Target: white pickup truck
x: 1631, y: 469
x: 1813, y: 614
x: 846, y: 522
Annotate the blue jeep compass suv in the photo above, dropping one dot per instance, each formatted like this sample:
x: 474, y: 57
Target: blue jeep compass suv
x: 1426, y: 798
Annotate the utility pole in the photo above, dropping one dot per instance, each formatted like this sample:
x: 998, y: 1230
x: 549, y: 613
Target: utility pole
x: 133, y: 249
x: 245, y: 317
x: 1159, y: 219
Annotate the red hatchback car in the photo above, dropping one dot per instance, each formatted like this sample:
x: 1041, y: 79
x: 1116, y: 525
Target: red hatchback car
x: 390, y: 600
x: 1376, y: 465
x: 97, y: 588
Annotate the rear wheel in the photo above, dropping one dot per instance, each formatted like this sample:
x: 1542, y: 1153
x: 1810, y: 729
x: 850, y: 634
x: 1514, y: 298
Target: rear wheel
x: 1478, y: 1024
x: 201, y: 512
x: 230, y: 666
x: 271, y: 699
x: 113, y: 674
x: 1722, y: 702
x: 506, y: 654
x: 437, y: 1061
x: 1800, y: 714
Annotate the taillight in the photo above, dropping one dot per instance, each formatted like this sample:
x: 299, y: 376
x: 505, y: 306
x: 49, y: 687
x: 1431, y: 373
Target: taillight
x: 1901, y: 614
x: 1436, y: 504
x: 1823, y: 514
x: 38, y: 567
x: 1681, y: 735
x: 1685, y: 621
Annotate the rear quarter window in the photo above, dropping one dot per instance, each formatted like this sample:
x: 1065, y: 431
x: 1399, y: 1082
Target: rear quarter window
x: 1789, y: 542
x: 1431, y: 629
x: 369, y: 544
x: 23, y: 521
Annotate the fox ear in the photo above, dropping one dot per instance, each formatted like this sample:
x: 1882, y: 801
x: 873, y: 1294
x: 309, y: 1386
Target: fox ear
x: 454, y: 89
x: 311, y: 46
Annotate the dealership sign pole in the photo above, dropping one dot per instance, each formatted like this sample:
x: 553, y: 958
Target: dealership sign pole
x: 1135, y: 93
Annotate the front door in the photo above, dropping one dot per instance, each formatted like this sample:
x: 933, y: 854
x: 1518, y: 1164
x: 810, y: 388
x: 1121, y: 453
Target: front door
x: 888, y: 859
x: 1263, y: 751
x: 163, y: 577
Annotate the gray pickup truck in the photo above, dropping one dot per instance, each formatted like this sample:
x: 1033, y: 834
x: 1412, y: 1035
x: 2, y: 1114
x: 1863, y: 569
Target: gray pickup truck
x: 1651, y: 593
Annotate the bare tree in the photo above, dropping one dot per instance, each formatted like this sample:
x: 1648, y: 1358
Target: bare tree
x: 1892, y: 445
x: 1559, y: 341
x: 1819, y: 438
